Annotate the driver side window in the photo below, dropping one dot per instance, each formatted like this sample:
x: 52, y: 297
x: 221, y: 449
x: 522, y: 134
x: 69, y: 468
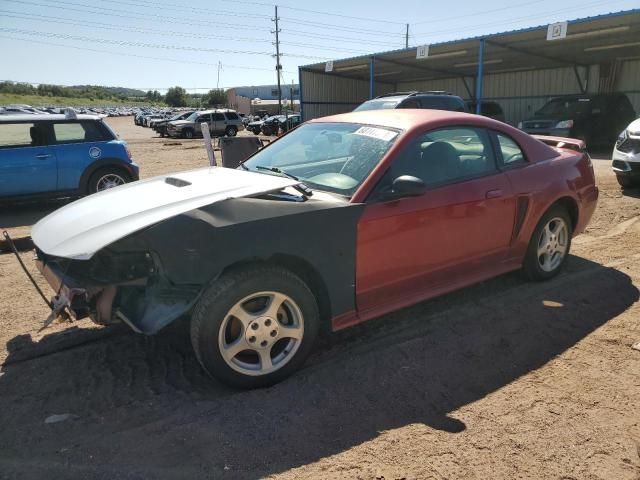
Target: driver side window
x: 445, y: 156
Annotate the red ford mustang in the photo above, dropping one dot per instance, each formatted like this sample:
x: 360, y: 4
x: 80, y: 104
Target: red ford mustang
x: 341, y: 220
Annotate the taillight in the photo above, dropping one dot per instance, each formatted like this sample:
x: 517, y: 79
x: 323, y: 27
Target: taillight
x: 126, y: 147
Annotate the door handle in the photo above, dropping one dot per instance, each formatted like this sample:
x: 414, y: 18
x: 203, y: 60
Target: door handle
x: 493, y: 194
x: 42, y: 156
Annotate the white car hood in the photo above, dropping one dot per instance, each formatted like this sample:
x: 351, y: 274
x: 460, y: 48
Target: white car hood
x: 80, y: 229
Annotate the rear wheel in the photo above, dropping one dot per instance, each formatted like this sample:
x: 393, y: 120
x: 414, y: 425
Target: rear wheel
x: 106, y: 178
x: 188, y: 133
x: 549, y: 245
x: 254, y: 327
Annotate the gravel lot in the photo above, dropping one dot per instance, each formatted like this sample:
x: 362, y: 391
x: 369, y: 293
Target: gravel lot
x: 506, y: 379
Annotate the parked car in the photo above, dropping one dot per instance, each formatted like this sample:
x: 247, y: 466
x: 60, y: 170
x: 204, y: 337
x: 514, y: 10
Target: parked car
x: 596, y: 119
x: 626, y: 156
x: 272, y: 125
x: 487, y: 109
x: 221, y: 122
x: 161, y: 126
x: 326, y: 226
x: 256, y: 125
x: 60, y: 155
x: 438, y: 100
x: 147, y: 119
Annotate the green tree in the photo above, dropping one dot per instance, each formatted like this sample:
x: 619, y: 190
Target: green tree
x: 176, y: 97
x: 216, y: 98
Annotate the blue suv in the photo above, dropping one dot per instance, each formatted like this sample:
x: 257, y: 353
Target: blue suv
x: 61, y: 155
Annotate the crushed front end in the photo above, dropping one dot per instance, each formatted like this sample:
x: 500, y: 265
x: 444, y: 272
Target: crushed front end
x: 116, y: 285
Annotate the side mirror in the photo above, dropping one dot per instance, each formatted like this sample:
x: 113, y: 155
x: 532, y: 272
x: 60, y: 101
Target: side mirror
x: 405, y: 186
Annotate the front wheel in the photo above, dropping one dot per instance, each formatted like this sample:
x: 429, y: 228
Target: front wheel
x: 188, y: 133
x: 255, y: 326
x: 106, y: 178
x: 231, y: 131
x: 549, y: 245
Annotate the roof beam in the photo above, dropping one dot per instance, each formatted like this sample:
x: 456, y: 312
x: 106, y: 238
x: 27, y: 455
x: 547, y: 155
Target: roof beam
x: 422, y: 69
x: 339, y: 75
x: 524, y: 51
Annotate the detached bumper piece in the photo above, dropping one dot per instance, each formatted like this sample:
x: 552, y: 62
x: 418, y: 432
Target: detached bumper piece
x: 74, y: 299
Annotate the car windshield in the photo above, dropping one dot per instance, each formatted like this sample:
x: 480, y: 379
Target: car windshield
x: 335, y: 157
x: 379, y: 104
x: 560, y: 107
x: 192, y: 117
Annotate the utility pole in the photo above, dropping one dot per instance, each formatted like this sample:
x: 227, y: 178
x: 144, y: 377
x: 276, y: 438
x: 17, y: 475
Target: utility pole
x: 406, y: 38
x: 218, y: 82
x: 278, y: 66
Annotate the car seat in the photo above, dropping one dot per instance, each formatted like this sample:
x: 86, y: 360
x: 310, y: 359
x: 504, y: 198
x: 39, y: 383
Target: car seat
x: 439, y: 162
x: 37, y: 139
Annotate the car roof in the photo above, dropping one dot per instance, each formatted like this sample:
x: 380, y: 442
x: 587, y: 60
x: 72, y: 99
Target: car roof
x: 403, y: 118
x: 40, y: 117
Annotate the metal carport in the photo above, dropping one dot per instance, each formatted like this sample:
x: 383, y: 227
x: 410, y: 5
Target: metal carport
x: 520, y: 69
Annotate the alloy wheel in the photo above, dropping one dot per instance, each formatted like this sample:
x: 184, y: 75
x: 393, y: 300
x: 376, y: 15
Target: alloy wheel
x: 553, y: 244
x: 261, y: 333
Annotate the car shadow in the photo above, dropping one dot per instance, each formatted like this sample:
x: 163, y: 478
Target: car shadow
x: 142, y: 404
x: 26, y: 213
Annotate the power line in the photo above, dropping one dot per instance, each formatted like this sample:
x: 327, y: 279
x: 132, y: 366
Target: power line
x: 475, y: 14
x: 516, y: 20
x: 139, y: 16
x: 182, y: 8
x: 107, y: 26
x: 364, y: 19
x: 302, y: 33
x: 79, y: 38
x: 162, y: 59
x: 345, y: 28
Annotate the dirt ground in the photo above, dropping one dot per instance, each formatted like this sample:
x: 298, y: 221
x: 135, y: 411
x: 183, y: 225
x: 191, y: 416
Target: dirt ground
x: 506, y: 379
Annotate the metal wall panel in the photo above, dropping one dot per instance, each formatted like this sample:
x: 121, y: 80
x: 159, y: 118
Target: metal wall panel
x: 325, y: 94
x: 519, y: 94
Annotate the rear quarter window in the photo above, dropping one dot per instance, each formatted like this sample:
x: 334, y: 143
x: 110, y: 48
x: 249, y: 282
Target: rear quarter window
x: 79, y: 132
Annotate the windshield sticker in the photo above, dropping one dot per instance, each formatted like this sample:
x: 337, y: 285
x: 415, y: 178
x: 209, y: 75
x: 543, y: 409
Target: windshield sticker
x: 379, y: 133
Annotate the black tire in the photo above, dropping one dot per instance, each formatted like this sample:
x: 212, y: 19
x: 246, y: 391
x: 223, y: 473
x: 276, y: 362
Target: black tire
x: 187, y: 133
x: 213, y: 307
x: 95, y: 178
x: 531, y: 266
x: 625, y: 182
x: 231, y: 131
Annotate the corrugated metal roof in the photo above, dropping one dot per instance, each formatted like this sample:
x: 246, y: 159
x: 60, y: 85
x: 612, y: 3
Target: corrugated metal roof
x: 514, y: 50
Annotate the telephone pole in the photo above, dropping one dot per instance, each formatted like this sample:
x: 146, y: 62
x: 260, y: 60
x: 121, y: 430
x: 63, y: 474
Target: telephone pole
x: 406, y: 38
x: 218, y: 82
x: 278, y: 66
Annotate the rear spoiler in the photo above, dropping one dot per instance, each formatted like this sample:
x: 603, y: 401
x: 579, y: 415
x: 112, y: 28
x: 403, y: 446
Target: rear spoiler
x: 563, y: 142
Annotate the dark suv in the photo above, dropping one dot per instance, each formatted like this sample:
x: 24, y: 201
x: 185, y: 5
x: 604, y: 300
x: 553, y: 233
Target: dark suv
x: 436, y: 100
x: 596, y: 119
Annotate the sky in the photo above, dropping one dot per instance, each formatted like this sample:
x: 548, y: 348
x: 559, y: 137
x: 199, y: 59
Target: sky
x: 204, y: 44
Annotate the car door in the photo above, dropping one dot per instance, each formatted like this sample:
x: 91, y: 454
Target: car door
x: 456, y: 233
x: 27, y: 163
x: 204, y: 118
x: 77, y: 144
x: 219, y: 123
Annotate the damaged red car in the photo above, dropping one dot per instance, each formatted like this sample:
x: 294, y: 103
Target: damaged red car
x: 341, y: 220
